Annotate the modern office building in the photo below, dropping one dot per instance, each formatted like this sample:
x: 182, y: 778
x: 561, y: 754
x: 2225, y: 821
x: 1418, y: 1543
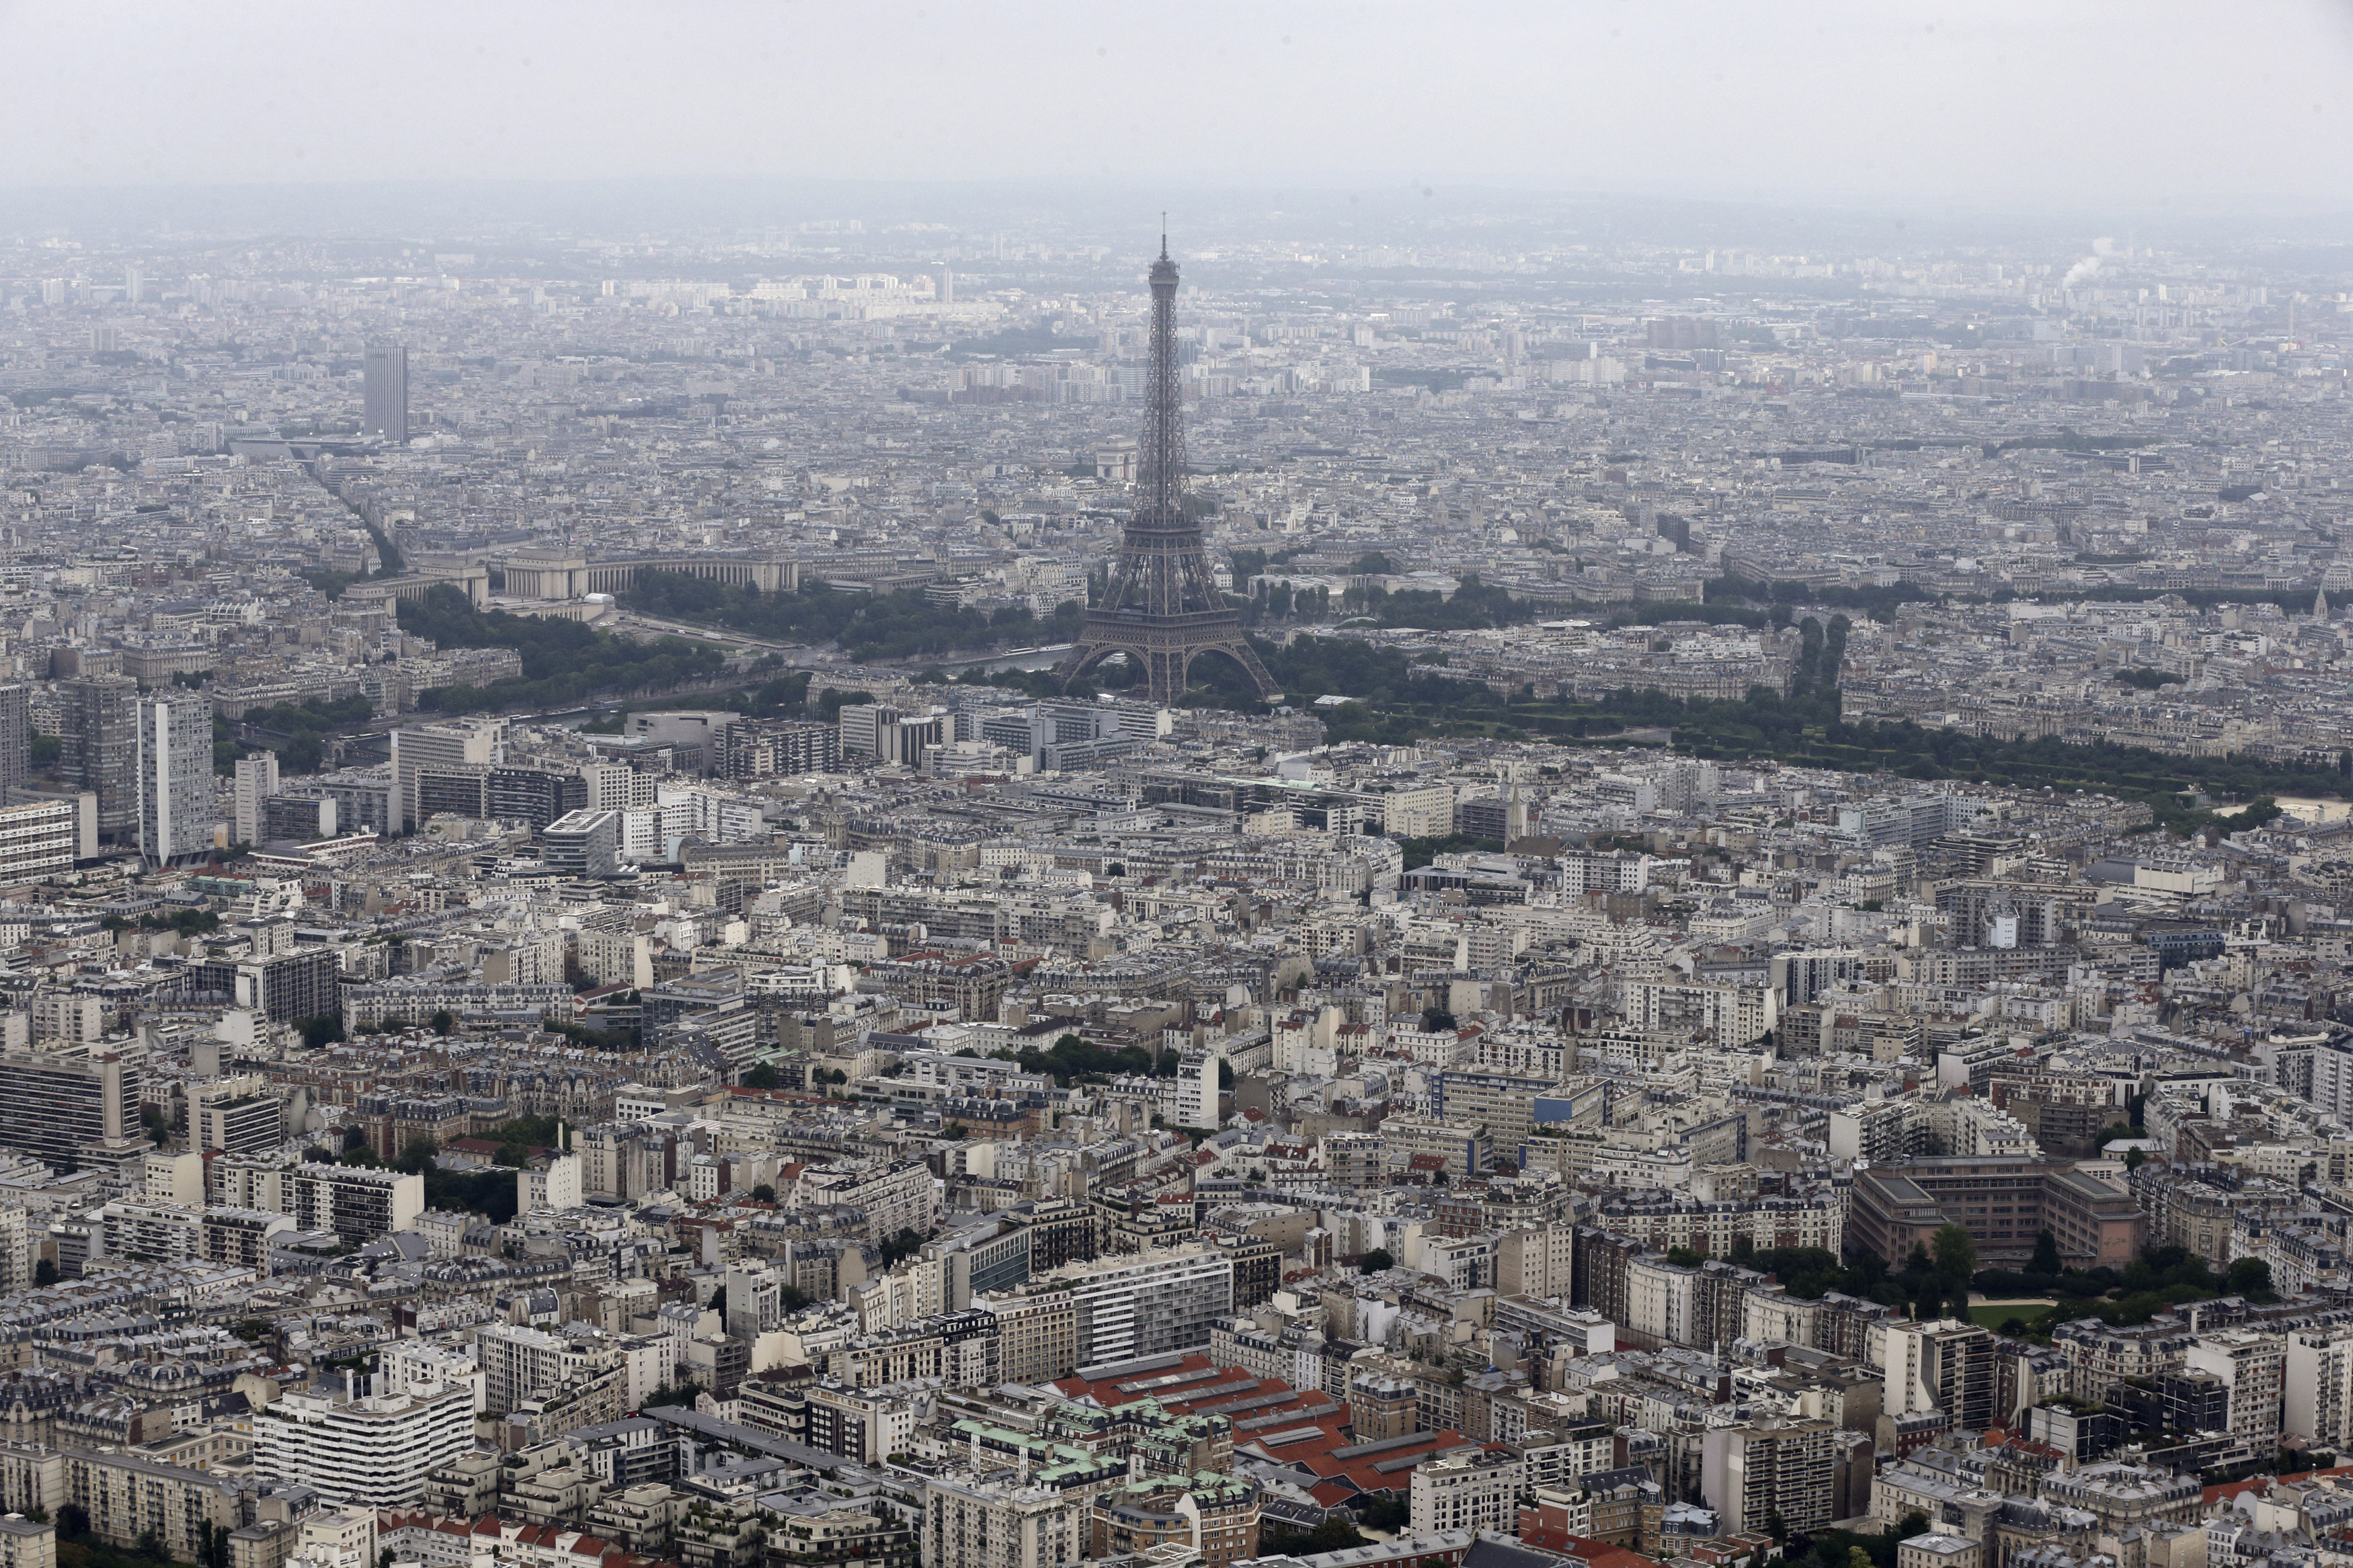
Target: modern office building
x: 256, y: 781
x: 1147, y: 1304
x: 460, y: 743
x: 15, y: 736
x: 2318, y: 1375
x: 288, y: 986
x: 240, y: 1237
x: 357, y: 1202
x: 373, y: 1449
x: 362, y: 798
x: 582, y: 843
x: 385, y: 375
x: 762, y: 748
x: 2253, y: 1366
x: 1946, y: 1366
x: 37, y: 840
x: 297, y: 818
x: 533, y: 795
x: 54, y: 1105
x: 518, y: 1360
x: 1767, y: 1470
x: 152, y: 1231
x: 175, y: 776
x: 97, y: 748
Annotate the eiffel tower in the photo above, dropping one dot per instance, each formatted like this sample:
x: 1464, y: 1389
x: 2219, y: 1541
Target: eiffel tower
x: 1163, y: 608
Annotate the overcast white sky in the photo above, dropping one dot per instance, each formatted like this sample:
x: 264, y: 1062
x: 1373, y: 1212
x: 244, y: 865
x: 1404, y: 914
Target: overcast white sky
x: 1997, y: 103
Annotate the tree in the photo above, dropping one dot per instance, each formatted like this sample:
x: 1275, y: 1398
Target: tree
x: 2248, y: 1276
x: 718, y: 1303
x: 443, y: 1022
x: 1376, y: 1260
x: 1957, y: 1255
x: 417, y: 1154
x: 73, y: 1521
x: 45, y: 1272
x: 764, y: 1194
x: 2013, y: 1327
x: 1335, y: 1535
x: 1912, y: 1524
x: 1437, y: 1020
x: 2046, y: 1255
x: 764, y: 1076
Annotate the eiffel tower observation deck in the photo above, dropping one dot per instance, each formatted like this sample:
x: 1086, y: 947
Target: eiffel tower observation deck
x: 1163, y: 608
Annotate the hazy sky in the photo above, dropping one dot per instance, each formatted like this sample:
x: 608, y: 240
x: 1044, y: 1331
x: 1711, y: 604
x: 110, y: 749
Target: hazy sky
x: 1998, y: 103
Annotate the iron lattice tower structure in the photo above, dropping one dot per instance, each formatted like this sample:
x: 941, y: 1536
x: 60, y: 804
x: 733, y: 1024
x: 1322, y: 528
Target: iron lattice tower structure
x: 1163, y: 608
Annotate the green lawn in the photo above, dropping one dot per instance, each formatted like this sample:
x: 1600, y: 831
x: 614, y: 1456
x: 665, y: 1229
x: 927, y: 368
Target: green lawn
x: 1996, y: 1314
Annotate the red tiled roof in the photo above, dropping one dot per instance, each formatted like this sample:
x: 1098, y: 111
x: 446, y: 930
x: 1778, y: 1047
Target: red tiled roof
x: 2234, y: 1489
x: 1602, y: 1554
x: 1363, y: 1474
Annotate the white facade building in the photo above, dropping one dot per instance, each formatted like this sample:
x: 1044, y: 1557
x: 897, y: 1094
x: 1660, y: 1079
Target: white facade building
x: 370, y: 1449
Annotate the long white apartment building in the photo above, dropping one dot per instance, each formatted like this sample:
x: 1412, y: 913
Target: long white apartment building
x: 363, y: 1449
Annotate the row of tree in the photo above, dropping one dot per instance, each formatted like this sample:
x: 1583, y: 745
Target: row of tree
x: 897, y: 625
x: 563, y: 661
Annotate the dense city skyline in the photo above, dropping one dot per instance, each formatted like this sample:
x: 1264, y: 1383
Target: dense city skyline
x: 911, y: 787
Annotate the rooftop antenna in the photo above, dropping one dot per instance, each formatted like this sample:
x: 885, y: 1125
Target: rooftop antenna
x: 1164, y: 232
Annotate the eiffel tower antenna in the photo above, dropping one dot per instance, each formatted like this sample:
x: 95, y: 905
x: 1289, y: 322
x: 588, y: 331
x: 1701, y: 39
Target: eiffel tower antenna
x: 1163, y: 608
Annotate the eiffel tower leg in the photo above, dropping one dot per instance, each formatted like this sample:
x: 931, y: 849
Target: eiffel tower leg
x: 1247, y: 656
x: 1239, y: 651
x: 1167, y: 675
x: 1068, y: 670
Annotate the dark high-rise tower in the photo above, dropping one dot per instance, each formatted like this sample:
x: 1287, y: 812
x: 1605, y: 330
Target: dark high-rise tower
x: 97, y: 748
x: 15, y: 737
x: 1163, y: 608
x: 384, y: 374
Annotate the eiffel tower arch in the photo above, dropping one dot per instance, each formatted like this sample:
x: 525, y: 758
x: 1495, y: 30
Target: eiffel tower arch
x: 1163, y: 608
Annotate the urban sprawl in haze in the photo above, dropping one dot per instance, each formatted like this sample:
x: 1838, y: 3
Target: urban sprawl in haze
x: 956, y: 878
